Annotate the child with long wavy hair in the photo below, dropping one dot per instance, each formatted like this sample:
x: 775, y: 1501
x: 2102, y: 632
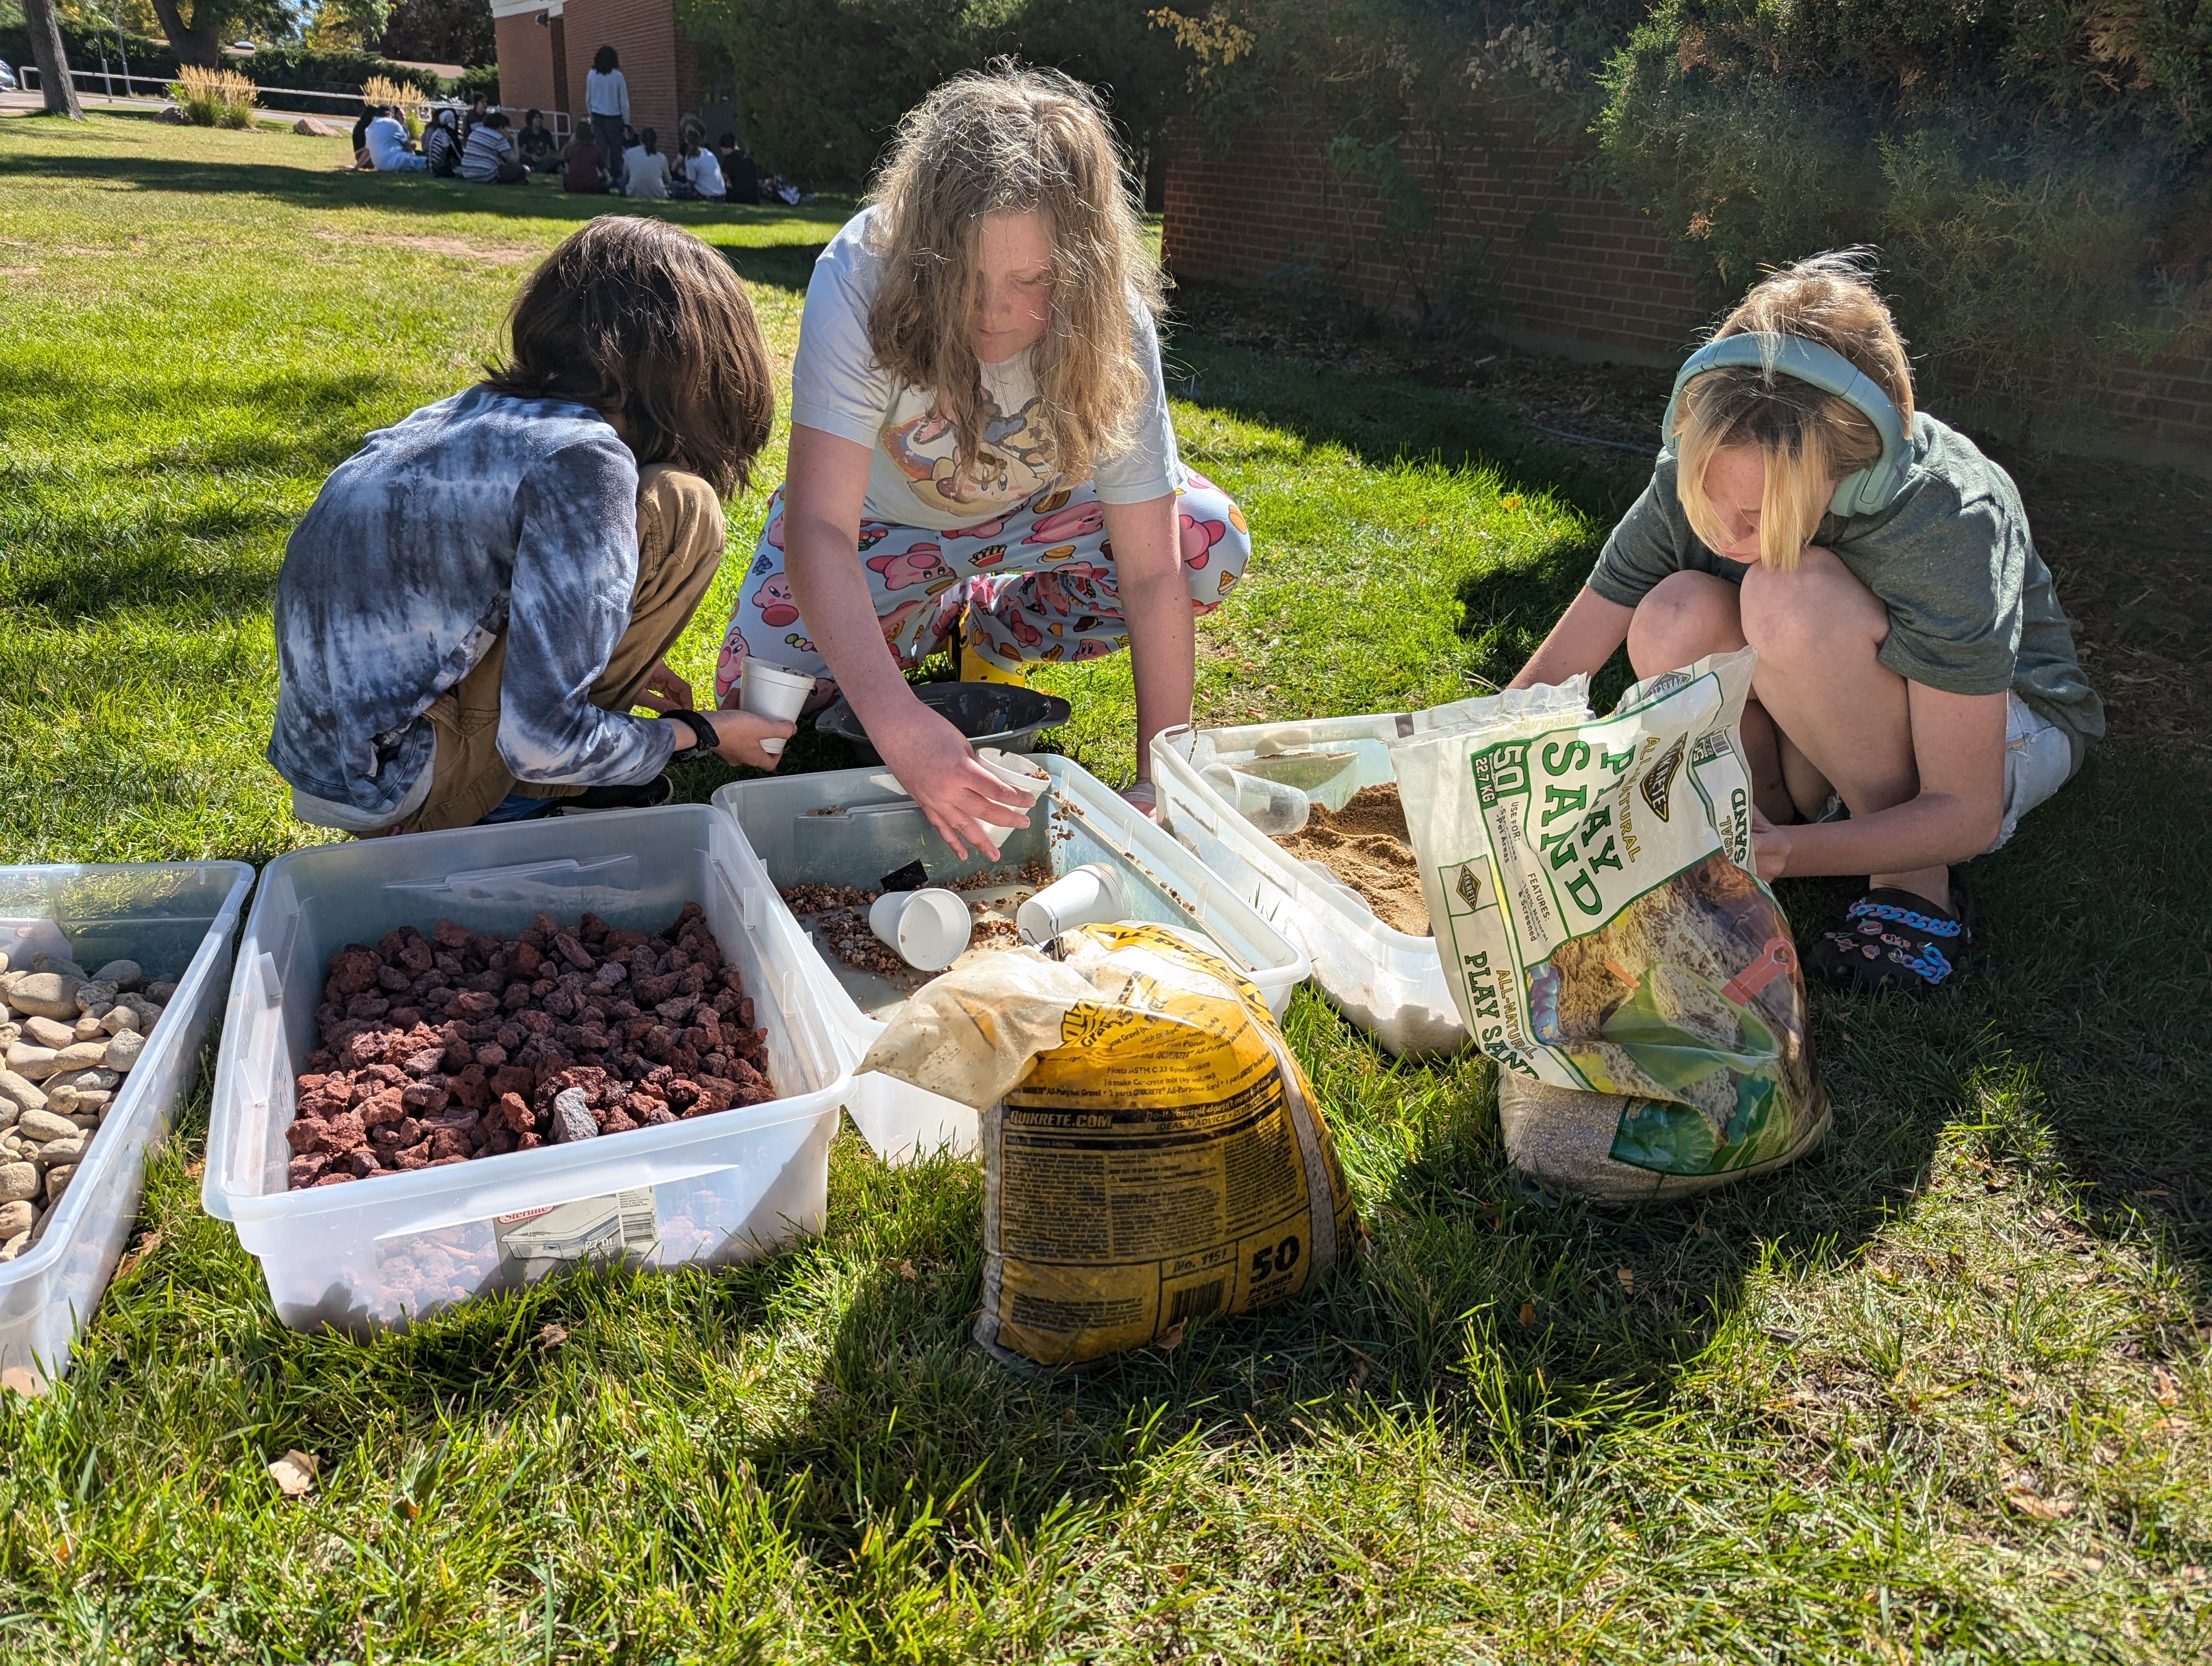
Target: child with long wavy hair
x: 981, y: 453
x: 1917, y: 689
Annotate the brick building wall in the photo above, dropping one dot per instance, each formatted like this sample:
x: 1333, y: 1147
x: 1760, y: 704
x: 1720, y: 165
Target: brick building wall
x: 1518, y: 238
x: 525, y: 61
x: 644, y: 35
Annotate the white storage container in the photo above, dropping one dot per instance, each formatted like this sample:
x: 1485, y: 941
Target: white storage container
x: 1088, y: 822
x: 1389, y: 982
x: 385, y: 1249
x: 177, y: 920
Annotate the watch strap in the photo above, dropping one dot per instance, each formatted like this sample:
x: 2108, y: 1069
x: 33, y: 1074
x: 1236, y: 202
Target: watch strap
x: 704, y: 738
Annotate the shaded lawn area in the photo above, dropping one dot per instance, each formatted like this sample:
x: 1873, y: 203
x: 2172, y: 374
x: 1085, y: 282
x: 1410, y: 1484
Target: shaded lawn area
x: 1943, y: 1394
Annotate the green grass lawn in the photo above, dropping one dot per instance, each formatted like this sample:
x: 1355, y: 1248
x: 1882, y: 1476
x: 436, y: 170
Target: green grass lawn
x: 1941, y: 1395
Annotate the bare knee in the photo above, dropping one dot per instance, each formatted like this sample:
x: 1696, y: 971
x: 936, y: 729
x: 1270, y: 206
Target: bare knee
x: 1682, y: 618
x: 1818, y: 611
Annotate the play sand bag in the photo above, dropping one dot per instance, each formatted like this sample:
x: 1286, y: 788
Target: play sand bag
x: 1153, y: 1154
x: 1610, y: 946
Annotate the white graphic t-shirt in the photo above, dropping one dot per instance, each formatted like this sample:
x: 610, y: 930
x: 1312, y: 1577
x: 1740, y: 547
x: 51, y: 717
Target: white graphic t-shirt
x: 836, y: 387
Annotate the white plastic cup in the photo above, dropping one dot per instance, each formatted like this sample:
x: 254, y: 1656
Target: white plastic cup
x: 929, y: 927
x: 1272, y: 807
x: 1018, y: 772
x: 1090, y: 894
x: 768, y: 690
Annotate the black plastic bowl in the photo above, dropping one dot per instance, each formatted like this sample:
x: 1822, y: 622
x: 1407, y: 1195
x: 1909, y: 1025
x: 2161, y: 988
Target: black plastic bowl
x: 988, y: 713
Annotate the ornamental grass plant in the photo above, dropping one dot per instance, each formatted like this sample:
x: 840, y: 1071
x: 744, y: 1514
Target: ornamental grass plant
x: 213, y: 98
x: 408, y: 101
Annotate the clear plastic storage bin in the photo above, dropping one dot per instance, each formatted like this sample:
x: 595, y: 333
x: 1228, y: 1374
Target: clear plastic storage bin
x: 1389, y: 982
x: 380, y: 1251
x: 877, y: 831
x: 176, y: 920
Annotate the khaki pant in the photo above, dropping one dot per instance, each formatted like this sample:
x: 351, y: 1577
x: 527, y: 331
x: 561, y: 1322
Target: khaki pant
x: 679, y: 546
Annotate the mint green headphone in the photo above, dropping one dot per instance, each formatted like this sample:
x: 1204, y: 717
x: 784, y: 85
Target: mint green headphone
x: 1871, y: 489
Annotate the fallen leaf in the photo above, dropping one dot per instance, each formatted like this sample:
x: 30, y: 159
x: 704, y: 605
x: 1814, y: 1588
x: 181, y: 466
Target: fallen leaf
x: 2168, y: 1390
x: 294, y: 1473
x: 1166, y: 1340
x: 1627, y: 1277
x: 551, y: 1337
x: 2043, y: 1509
x: 2093, y: 1565
x: 904, y: 1268
x: 1528, y: 1313
x: 145, y: 1247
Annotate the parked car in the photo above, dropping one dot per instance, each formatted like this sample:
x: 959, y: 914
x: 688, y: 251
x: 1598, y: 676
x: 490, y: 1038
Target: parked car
x: 7, y: 77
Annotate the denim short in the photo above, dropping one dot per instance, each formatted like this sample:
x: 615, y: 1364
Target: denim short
x: 2038, y: 761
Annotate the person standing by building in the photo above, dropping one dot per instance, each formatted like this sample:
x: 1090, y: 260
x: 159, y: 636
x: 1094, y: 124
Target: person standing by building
x: 606, y: 101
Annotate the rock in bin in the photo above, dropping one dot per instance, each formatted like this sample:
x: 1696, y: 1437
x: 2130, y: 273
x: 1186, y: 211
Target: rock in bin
x: 572, y: 1117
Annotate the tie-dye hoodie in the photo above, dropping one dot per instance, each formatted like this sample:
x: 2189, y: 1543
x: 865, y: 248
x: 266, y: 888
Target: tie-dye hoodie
x: 479, y: 513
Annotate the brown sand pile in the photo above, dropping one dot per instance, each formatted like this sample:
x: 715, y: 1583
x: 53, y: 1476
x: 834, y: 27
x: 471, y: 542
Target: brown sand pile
x: 1365, y: 844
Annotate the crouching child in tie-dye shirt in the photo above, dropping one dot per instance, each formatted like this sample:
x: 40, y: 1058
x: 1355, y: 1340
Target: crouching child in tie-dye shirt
x: 479, y: 596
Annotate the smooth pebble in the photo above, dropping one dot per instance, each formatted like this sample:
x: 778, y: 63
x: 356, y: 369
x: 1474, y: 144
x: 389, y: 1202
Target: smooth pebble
x: 18, y: 1216
x: 18, y: 1180
x: 119, y: 1019
x: 44, y: 1125
x: 47, y: 994
x: 22, y: 1091
x: 122, y: 1051
x: 57, y: 1181
x: 32, y: 1062
x: 123, y: 973
x: 48, y: 1032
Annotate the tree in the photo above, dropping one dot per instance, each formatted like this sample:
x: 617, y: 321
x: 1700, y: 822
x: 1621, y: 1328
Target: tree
x: 339, y: 25
x: 440, y: 32
x: 45, y: 31
x: 199, y: 39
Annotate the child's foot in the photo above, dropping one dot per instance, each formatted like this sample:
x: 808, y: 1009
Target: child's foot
x: 1897, y: 939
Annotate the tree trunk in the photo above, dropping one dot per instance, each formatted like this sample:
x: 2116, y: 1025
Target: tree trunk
x: 54, y: 80
x: 202, y: 47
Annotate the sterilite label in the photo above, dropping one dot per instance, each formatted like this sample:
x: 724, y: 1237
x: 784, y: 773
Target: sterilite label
x: 605, y: 1228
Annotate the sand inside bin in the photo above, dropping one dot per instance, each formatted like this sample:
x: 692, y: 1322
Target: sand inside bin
x: 1366, y: 846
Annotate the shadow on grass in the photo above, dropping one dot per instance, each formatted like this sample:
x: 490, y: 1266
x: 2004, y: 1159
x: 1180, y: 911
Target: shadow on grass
x: 1504, y: 1313
x: 1386, y: 422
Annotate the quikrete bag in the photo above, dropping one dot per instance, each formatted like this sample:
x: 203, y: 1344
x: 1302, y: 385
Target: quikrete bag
x: 1153, y: 1154
x: 1612, y: 949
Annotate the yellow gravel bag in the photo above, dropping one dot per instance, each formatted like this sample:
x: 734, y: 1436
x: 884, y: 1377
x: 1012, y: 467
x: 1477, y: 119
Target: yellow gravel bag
x: 1152, y: 1154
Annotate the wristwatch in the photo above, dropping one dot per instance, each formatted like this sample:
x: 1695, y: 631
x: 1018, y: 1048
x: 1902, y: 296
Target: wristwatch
x: 704, y: 740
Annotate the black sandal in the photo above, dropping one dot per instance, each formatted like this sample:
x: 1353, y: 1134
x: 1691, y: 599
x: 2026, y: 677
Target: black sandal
x: 1897, y: 939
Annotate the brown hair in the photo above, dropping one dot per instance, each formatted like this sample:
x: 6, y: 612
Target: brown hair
x: 640, y: 319
x: 1007, y: 141
x: 1810, y: 439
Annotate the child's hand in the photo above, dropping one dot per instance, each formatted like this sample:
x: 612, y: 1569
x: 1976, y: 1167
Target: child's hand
x: 664, y: 690
x: 1770, y: 848
x: 741, y: 734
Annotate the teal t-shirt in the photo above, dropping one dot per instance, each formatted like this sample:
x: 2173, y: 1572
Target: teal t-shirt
x: 1970, y: 606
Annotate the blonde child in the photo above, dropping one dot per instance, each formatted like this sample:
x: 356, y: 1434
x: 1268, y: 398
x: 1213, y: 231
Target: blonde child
x: 980, y: 445
x: 1915, y: 667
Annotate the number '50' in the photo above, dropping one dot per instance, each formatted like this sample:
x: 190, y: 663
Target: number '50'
x: 1281, y: 1259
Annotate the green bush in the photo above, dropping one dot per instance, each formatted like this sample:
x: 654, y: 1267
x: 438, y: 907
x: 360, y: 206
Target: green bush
x: 823, y: 82
x: 2023, y: 165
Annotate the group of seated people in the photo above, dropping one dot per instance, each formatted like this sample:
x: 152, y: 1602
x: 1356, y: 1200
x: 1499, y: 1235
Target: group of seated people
x: 699, y: 172
x: 481, y: 145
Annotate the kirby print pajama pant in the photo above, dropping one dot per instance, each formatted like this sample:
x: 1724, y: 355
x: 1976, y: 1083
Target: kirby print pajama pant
x: 1040, y: 578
